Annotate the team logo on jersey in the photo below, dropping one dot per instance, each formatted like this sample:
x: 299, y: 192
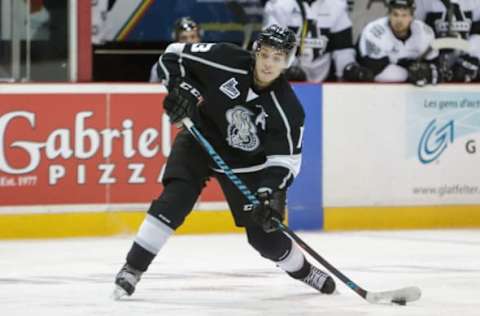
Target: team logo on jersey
x: 229, y: 87
x: 242, y: 133
x: 372, y: 48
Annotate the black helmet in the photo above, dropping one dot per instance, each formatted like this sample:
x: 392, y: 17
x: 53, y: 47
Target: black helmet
x: 279, y: 38
x: 394, y: 4
x: 183, y: 24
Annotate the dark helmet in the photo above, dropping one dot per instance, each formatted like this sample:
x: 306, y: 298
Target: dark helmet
x: 279, y: 38
x: 395, y: 4
x: 183, y: 24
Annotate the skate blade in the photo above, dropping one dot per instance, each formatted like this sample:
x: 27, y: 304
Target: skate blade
x: 118, y: 293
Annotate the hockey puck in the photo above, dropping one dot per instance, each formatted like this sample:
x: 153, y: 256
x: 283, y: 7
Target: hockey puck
x: 402, y: 302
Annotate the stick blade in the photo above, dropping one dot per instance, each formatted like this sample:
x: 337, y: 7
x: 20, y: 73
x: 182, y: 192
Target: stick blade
x: 407, y: 294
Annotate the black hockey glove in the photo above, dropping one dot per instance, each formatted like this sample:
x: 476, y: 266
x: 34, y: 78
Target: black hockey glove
x: 272, y: 205
x: 465, y: 69
x: 181, y: 101
x: 356, y: 72
x: 422, y: 73
x: 295, y: 73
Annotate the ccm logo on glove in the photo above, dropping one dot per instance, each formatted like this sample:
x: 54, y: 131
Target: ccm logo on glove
x: 188, y: 87
x: 182, y: 101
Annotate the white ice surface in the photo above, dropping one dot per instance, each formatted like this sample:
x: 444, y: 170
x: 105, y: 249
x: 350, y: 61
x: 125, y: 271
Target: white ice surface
x: 222, y: 275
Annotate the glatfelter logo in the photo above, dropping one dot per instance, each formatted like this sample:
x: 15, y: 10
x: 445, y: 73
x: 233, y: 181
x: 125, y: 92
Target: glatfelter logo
x: 435, y: 140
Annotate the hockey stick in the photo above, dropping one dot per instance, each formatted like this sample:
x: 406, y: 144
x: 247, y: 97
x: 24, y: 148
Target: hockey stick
x: 303, y: 28
x: 400, y: 296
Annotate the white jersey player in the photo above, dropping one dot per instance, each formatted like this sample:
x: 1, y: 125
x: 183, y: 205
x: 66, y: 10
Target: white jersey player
x: 324, y: 32
x: 100, y: 22
x: 455, y: 18
x: 391, y: 46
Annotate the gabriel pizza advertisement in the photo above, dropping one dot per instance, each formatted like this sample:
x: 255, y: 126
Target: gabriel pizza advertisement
x: 83, y: 148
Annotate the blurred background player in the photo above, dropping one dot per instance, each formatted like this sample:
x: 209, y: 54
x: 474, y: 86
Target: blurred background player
x: 455, y: 18
x: 100, y: 27
x: 324, y: 33
x: 186, y: 30
x: 245, y: 107
x: 391, y: 47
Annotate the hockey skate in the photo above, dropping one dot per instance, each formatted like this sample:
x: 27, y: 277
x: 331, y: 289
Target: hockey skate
x: 125, y: 281
x: 319, y: 280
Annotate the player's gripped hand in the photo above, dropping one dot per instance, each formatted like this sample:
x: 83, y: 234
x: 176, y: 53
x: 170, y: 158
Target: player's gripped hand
x: 356, y: 73
x: 181, y: 101
x: 422, y: 73
x: 272, y: 205
x: 465, y: 69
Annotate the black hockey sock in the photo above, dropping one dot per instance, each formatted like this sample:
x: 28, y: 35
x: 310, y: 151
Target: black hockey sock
x: 139, y: 258
x: 303, y: 272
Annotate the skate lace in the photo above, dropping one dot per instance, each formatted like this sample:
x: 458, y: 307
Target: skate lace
x: 316, y: 278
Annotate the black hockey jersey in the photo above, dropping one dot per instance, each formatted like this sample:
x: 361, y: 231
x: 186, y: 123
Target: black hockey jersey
x: 253, y: 131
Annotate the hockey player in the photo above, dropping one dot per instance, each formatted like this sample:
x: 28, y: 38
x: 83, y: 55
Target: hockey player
x: 186, y: 30
x: 452, y: 18
x: 247, y: 110
x: 392, y: 47
x: 324, y: 32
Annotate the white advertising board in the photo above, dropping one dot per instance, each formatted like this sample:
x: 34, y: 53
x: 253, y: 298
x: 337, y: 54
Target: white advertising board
x: 400, y: 145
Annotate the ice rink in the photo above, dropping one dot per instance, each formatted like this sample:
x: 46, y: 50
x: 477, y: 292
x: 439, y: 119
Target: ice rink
x: 222, y: 275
